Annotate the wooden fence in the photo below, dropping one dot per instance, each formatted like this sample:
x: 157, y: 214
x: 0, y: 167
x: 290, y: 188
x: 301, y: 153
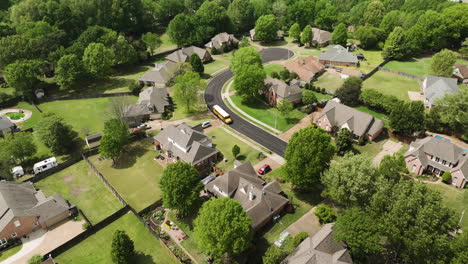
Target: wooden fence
x: 368, y: 75
x: 401, y: 73
x: 77, y: 97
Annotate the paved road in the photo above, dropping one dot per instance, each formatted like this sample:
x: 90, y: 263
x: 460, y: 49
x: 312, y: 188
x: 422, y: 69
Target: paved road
x: 262, y: 137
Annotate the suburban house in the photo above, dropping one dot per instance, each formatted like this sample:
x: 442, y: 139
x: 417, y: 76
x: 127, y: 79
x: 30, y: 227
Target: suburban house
x: 279, y: 35
x: 320, y: 37
x: 24, y: 209
x: 221, y: 39
x: 151, y: 104
x: 160, y: 75
x: 320, y: 249
x: 278, y: 90
x: 306, y: 68
x: 261, y: 202
x: 183, y: 55
x: 93, y: 141
x: 188, y: 144
x: 6, y: 125
x: 338, y: 55
x: 436, y: 156
x: 339, y: 116
x: 434, y: 87
x: 461, y: 73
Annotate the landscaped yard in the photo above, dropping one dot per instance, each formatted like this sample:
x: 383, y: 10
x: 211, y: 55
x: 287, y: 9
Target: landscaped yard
x: 454, y: 198
x: 215, y: 66
x: 415, y: 66
x: 329, y: 81
x: 10, y: 252
x: 308, y: 51
x: 373, y: 59
x: 267, y: 114
x: 223, y: 141
x: 136, y: 176
x: 392, y: 84
x: 180, y: 111
x: 97, y: 248
x: 372, y: 148
x: 81, y: 187
x: 270, y: 68
x: 321, y: 96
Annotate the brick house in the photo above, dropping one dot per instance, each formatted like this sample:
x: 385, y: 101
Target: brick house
x: 338, y: 116
x: 306, y: 68
x: 222, y: 39
x: 151, y: 105
x: 188, y: 144
x: 436, y: 156
x: 24, y: 209
x: 338, y: 55
x: 260, y: 201
x: 278, y: 91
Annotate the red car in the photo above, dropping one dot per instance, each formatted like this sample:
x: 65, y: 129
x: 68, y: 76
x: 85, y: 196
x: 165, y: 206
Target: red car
x: 264, y: 169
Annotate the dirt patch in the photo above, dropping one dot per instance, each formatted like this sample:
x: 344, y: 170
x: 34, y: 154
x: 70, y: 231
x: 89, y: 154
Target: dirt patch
x: 76, y: 191
x: 68, y: 179
x: 415, y: 96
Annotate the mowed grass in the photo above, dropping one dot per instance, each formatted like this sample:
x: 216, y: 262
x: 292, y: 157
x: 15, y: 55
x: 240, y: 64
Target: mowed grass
x: 267, y: 114
x: 415, y: 66
x: 136, y: 175
x: 80, y: 186
x: 223, y: 141
x: 10, y: 252
x: 180, y: 109
x: 392, y: 84
x: 329, y: 81
x: 215, y: 66
x: 454, y: 198
x: 97, y: 248
x: 270, y: 68
x: 373, y: 59
x: 321, y: 96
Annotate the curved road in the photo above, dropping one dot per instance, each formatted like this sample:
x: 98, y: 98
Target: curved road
x: 213, y: 97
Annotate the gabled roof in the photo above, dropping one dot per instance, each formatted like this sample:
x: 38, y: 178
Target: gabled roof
x: 320, y: 249
x: 5, y: 123
x: 357, y: 122
x: 220, y: 39
x: 157, y: 97
x: 22, y: 199
x: 321, y: 36
x: 436, y: 87
x: 243, y: 184
x: 283, y: 90
x: 461, y: 70
x: 305, y: 68
x: 161, y: 73
x: 190, y: 145
x: 338, y: 53
x: 438, y: 148
x: 183, y: 55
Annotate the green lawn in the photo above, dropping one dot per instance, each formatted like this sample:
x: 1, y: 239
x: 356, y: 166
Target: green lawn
x: 10, y: 252
x: 97, y: 248
x: 223, y: 141
x: 415, y: 66
x: 321, y: 96
x: 375, y: 114
x: 136, y: 176
x: 392, y: 84
x: 454, y: 198
x: 270, y: 68
x: 166, y: 44
x: 80, y: 186
x: 216, y: 65
x: 308, y: 51
x: 267, y: 114
x: 329, y: 81
x: 372, y: 148
x: 35, y: 117
x: 180, y: 111
x: 373, y: 59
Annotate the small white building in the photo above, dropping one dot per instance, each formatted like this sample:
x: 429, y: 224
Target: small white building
x: 17, y: 171
x: 44, y: 165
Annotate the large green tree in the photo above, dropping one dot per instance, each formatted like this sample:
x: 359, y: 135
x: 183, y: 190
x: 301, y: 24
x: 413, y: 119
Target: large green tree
x: 374, y: 13
x: 442, y: 63
x: 124, y: 53
x: 295, y: 31
x: 250, y: 81
x: 244, y: 57
x: 266, y: 28
x: 123, y: 248
x: 350, y: 91
x: 340, y: 35
x: 395, y: 47
x: 114, y: 138
x: 307, y: 36
x: 451, y: 110
x: 391, y: 20
x: 459, y: 246
x: 196, y: 63
x: 344, y: 141
x: 408, y: 118
x: 23, y: 75
x: 369, y: 36
x: 326, y: 15
x: 18, y: 146
x: 181, y: 30
x: 186, y: 89
x: 308, y: 97
x: 308, y: 154
x: 222, y: 227
x: 241, y: 13
x: 180, y: 188
x: 55, y: 134
x: 152, y: 41
x: 352, y: 181
x: 210, y: 19
x: 69, y: 71
x: 98, y: 60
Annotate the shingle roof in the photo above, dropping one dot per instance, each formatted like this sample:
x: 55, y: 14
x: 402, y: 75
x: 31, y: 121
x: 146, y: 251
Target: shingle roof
x: 462, y: 70
x: 22, y: 199
x: 151, y: 101
x: 437, y: 148
x: 338, y: 54
x: 321, y: 36
x: 358, y: 122
x: 320, y: 249
x: 283, y: 90
x: 436, y: 87
x: 183, y: 55
x: 5, y: 123
x: 243, y: 185
x: 161, y: 73
x: 218, y: 40
x: 305, y: 68
x: 190, y: 145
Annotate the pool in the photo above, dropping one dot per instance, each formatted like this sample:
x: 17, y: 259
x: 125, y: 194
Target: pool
x: 439, y: 137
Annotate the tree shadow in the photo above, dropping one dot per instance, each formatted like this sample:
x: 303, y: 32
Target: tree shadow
x: 130, y: 154
x: 141, y: 257
x: 254, y: 254
x: 241, y: 157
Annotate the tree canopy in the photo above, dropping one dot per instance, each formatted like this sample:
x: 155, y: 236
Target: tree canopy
x: 69, y: 71
x: 340, y: 35
x: 98, y: 60
x: 122, y: 248
x: 186, y: 89
x: 114, y: 138
x: 350, y: 91
x: 442, y: 63
x: 307, y: 36
x: 408, y: 118
x: 266, y: 28
x: 55, y: 134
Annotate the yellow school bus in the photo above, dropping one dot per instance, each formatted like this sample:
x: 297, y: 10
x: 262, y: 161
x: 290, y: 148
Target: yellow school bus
x: 223, y: 115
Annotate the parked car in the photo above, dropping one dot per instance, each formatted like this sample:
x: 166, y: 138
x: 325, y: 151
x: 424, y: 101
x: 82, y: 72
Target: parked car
x: 206, y: 124
x: 144, y: 126
x: 264, y: 169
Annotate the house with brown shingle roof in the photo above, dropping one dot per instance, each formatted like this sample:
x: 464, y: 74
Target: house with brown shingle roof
x: 306, y: 68
x: 160, y: 75
x: 460, y: 72
x: 320, y: 249
x: 260, y: 201
x: 338, y: 55
x: 183, y: 54
x: 277, y: 91
x: 320, y: 37
x: 222, y: 39
x: 151, y: 104
x: 338, y: 116
x: 436, y: 156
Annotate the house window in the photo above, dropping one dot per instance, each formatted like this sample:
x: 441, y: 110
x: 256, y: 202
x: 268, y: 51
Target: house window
x: 454, y: 180
x: 17, y: 223
x: 444, y: 162
x: 437, y: 159
x: 3, y: 241
x: 414, y: 168
x: 14, y: 235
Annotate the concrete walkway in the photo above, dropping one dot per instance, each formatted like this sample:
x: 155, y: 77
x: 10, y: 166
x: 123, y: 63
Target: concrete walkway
x: 163, y: 227
x: 388, y: 148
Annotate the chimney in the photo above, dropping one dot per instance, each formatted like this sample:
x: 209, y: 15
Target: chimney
x: 251, y: 196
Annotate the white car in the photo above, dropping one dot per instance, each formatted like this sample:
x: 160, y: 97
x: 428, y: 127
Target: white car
x: 205, y: 124
x: 144, y: 126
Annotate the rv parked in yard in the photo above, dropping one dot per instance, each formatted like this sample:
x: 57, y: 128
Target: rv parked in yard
x: 44, y: 165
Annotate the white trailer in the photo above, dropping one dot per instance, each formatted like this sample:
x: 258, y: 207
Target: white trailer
x: 17, y: 171
x: 44, y: 165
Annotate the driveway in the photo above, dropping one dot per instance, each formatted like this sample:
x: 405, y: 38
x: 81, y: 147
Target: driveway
x: 388, y: 148
x: 305, y: 122
x: 41, y: 242
x: 307, y: 223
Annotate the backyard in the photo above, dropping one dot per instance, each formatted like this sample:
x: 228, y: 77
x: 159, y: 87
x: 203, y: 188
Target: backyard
x: 373, y: 113
x: 223, y: 141
x: 97, y: 248
x: 392, y: 84
x: 270, y: 68
x: 136, y: 175
x: 373, y: 59
x: 415, y: 66
x: 215, y: 66
x: 81, y: 187
x: 329, y: 81
x: 454, y: 198
x: 267, y: 114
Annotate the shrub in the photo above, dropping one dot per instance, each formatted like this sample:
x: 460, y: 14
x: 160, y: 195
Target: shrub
x: 465, y: 137
x: 323, y: 91
x: 214, y: 51
x: 235, y: 150
x: 446, y: 177
x: 307, y: 86
x: 275, y: 75
x: 86, y: 225
x: 135, y: 87
x: 225, y: 47
x: 36, y: 259
x: 293, y: 75
x: 299, y: 238
x: 325, y: 214
x: 260, y: 156
x: 361, y: 141
x: 284, y: 74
